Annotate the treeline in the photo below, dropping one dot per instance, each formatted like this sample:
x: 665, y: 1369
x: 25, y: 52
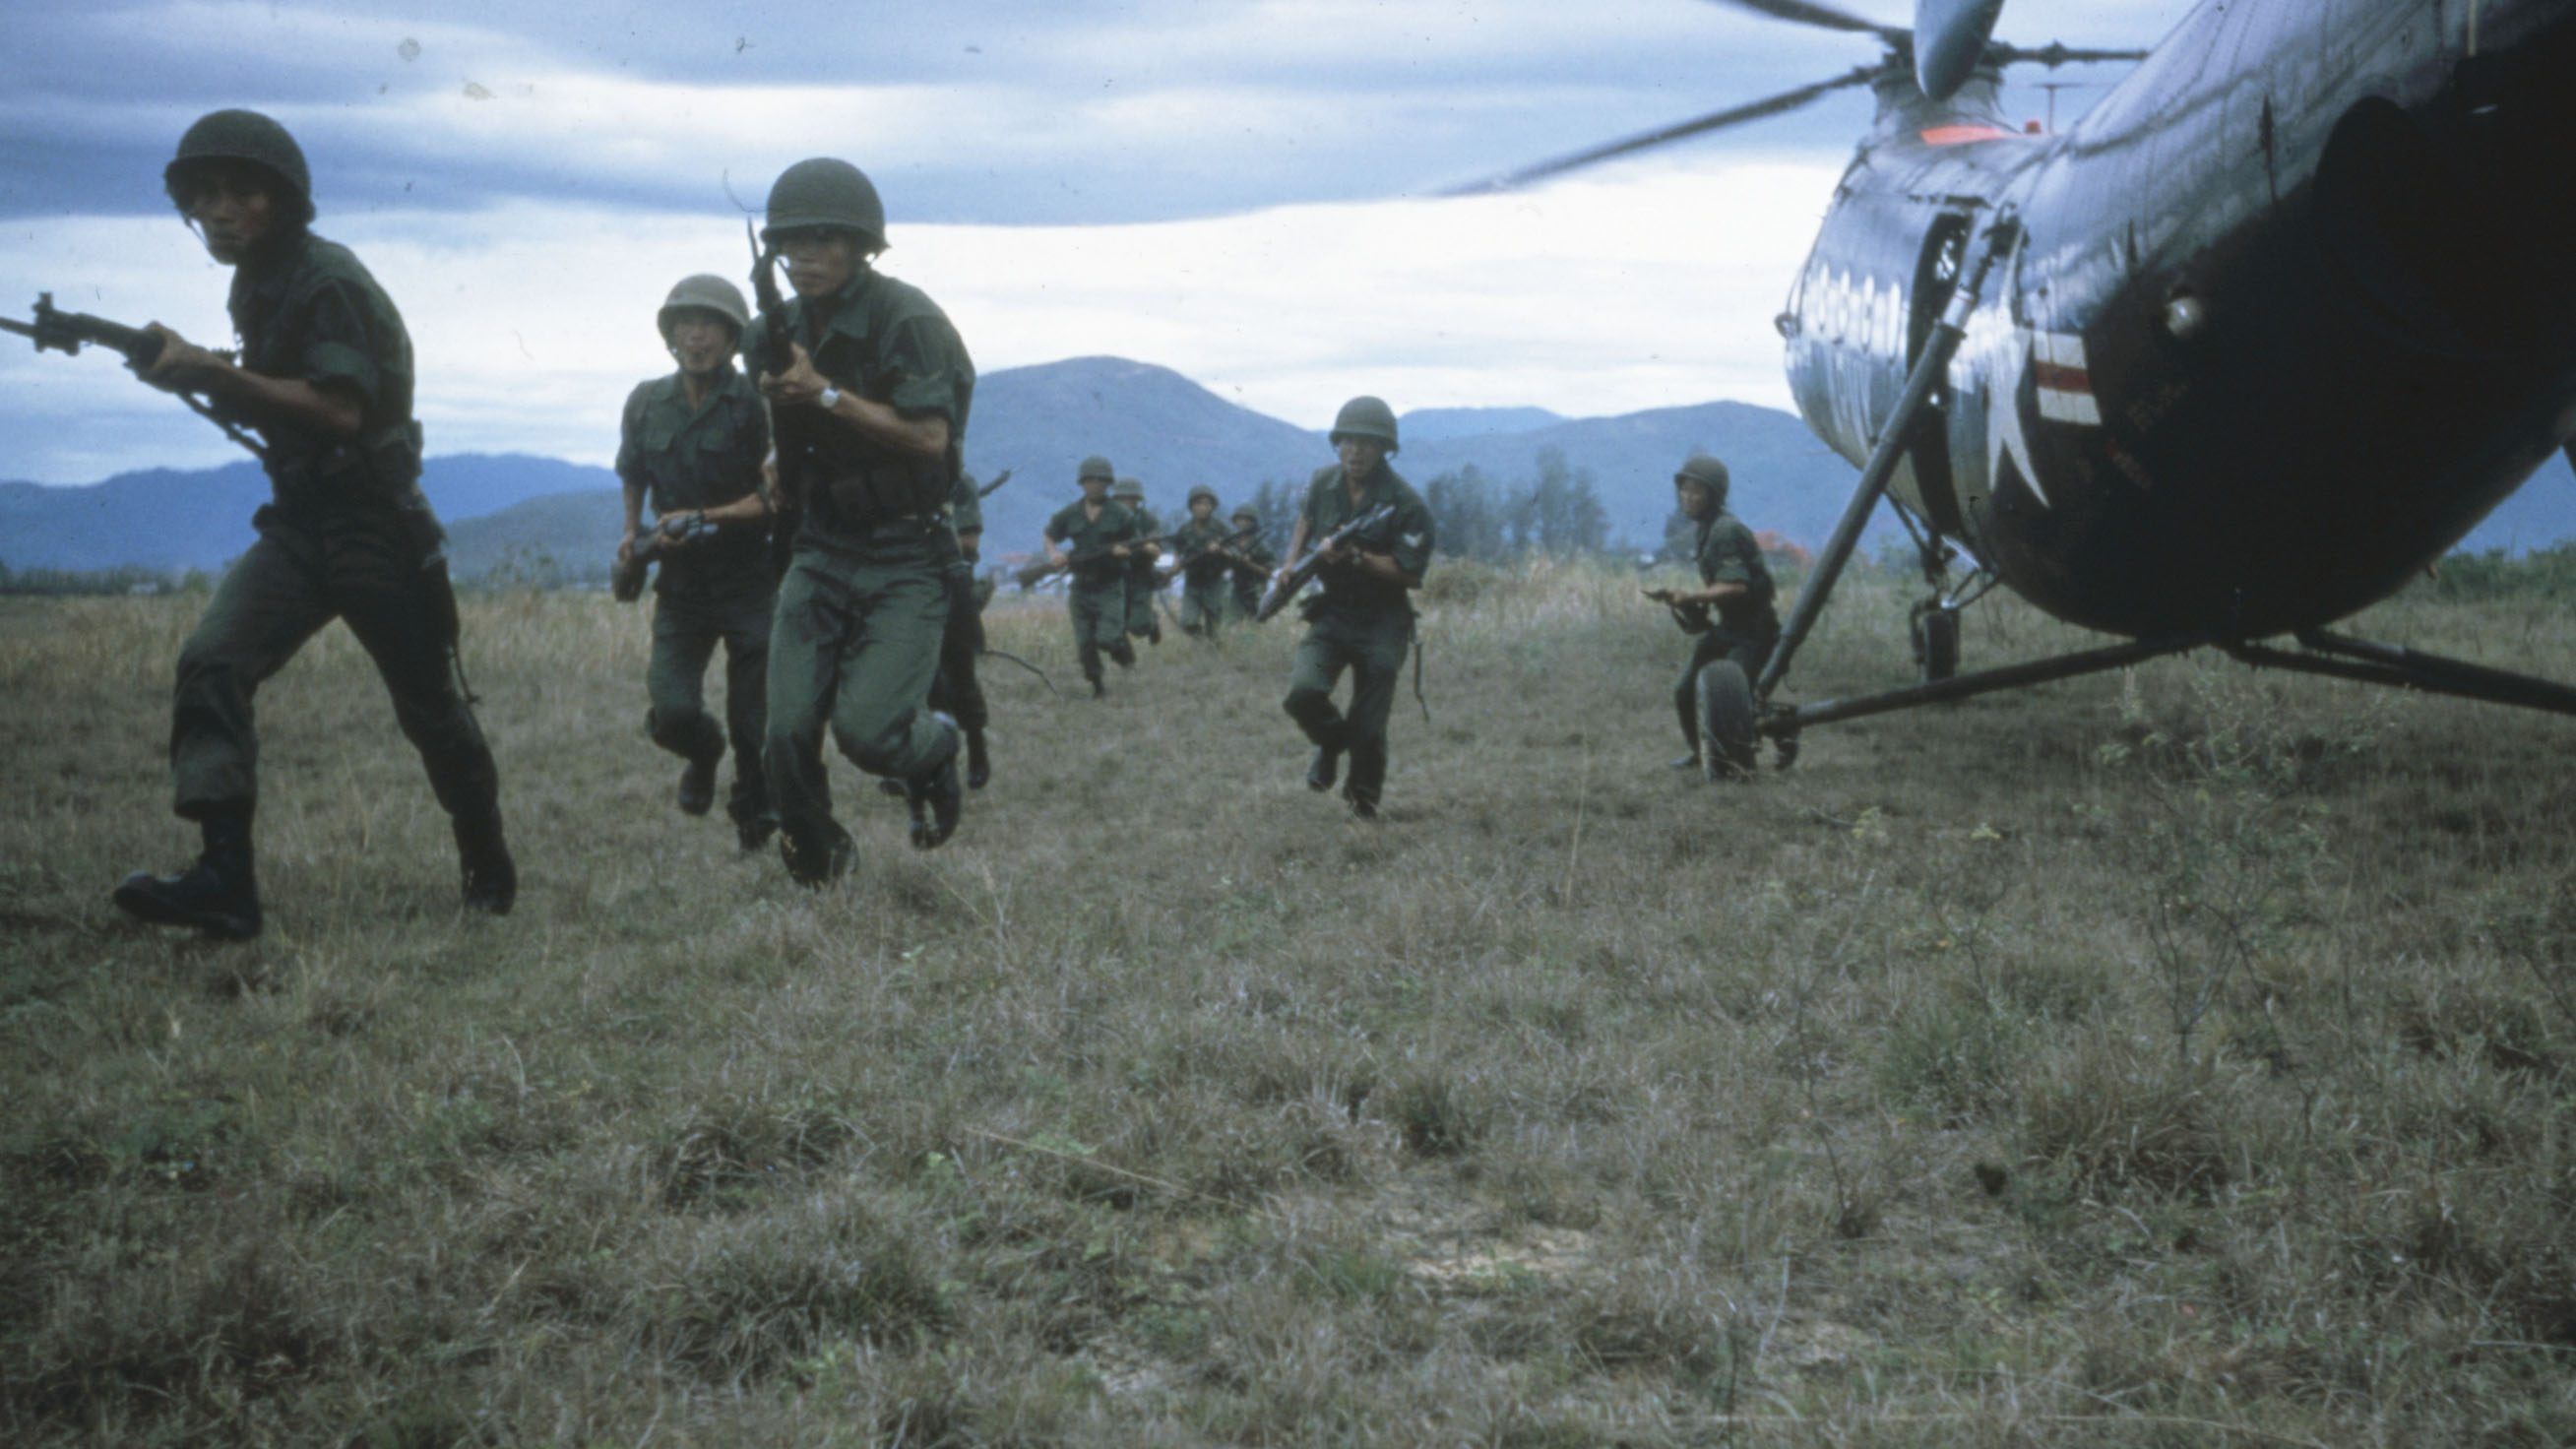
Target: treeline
x: 1557, y: 513
x: 126, y: 580
x: 2545, y: 573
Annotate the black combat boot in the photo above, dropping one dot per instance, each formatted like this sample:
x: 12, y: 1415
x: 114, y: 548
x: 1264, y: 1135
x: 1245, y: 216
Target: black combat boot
x: 1124, y: 654
x: 1363, y: 807
x: 698, y: 785
x: 979, y: 762
x: 490, y: 877
x: 1098, y: 689
x: 219, y: 895
x: 938, y: 800
x: 1324, y: 768
x: 819, y: 862
x: 755, y: 831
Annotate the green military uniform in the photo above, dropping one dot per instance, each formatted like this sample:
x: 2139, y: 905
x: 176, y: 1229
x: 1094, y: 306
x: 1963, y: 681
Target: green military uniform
x: 855, y: 642
x: 1252, y: 566
x: 1203, y: 580
x: 1143, y: 583
x: 1743, y: 628
x: 716, y: 589
x: 1097, y: 597
x: 347, y: 535
x: 1360, y: 623
x: 957, y: 692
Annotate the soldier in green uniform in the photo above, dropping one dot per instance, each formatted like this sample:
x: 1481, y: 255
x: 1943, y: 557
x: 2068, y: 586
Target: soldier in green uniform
x: 1363, y: 619
x: 325, y: 377
x: 1200, y: 555
x: 1736, y: 587
x: 957, y: 691
x: 1251, y: 563
x: 1102, y: 535
x: 1144, y: 621
x: 869, y: 389
x: 693, y: 442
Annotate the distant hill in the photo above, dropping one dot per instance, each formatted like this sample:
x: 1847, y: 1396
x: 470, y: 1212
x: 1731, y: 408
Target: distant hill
x: 1153, y: 424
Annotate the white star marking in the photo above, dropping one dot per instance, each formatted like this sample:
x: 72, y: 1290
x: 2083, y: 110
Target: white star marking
x: 2003, y: 420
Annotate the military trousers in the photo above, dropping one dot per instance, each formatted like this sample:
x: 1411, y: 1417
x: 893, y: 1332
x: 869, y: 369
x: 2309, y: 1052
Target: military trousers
x: 957, y: 692
x: 1099, y: 612
x: 1247, y: 594
x: 1748, y: 652
x: 687, y: 626
x: 1371, y: 646
x: 1141, y: 589
x: 852, y: 649
x: 384, y: 572
x: 1203, y: 605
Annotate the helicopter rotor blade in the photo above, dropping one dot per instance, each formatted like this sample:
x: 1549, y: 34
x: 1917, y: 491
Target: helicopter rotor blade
x: 1823, y: 17
x: 1698, y: 126
x: 2057, y: 53
x: 1950, y: 38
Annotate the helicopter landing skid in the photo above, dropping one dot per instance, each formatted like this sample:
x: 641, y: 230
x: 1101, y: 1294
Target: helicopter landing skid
x: 2340, y: 656
x: 1783, y: 722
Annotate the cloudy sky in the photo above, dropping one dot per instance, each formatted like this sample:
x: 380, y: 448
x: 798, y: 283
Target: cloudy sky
x: 1245, y: 191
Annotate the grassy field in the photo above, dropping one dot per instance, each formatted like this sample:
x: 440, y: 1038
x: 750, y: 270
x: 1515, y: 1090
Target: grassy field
x: 2183, y: 1057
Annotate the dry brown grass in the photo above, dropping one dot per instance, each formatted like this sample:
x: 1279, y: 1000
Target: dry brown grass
x: 2183, y: 1059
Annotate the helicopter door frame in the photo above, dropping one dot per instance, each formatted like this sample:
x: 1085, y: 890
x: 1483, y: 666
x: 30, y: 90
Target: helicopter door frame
x: 1927, y: 455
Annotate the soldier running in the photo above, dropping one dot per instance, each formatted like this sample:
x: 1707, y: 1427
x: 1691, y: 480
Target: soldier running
x: 1143, y: 583
x: 1251, y: 563
x: 1737, y: 585
x: 1103, y: 535
x: 957, y: 691
x: 1363, y: 619
x: 869, y: 389
x: 693, y: 442
x: 1201, y: 558
x: 325, y: 377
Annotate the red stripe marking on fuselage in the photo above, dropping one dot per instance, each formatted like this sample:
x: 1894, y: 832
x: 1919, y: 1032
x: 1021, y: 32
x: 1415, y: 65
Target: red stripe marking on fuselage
x: 2059, y: 376
x: 1962, y: 135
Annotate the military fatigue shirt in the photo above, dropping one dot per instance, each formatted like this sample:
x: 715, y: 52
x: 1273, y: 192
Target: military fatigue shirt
x: 699, y: 458
x: 1197, y: 533
x: 890, y: 344
x: 1079, y: 535
x: 1149, y: 528
x: 1407, y: 536
x: 306, y: 309
x: 965, y: 507
x: 1726, y: 554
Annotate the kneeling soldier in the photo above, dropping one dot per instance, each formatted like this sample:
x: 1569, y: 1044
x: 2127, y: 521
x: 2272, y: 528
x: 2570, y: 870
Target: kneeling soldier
x: 694, y: 441
x: 1737, y: 585
x: 1363, y: 620
x: 869, y: 389
x: 325, y: 376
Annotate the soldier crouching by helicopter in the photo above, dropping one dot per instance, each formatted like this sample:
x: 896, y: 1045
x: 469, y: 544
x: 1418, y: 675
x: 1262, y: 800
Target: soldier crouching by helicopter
x: 869, y: 388
x: 1363, y: 619
x: 325, y: 378
x: 1715, y: 715
x: 694, y: 442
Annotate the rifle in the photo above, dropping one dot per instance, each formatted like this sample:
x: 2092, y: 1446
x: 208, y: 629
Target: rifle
x: 989, y: 489
x: 626, y: 580
x: 1033, y: 574
x: 1192, y: 556
x: 1692, y: 618
x: 64, y: 332
x: 1283, y: 590
x: 787, y: 432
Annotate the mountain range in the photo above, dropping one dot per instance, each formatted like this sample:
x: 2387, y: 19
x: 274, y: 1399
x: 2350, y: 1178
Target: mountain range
x: 1151, y: 422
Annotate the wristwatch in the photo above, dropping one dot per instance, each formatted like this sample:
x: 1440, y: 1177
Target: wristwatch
x: 829, y: 398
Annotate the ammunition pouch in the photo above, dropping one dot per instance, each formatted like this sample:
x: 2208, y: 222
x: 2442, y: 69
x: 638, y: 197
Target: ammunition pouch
x: 379, y: 468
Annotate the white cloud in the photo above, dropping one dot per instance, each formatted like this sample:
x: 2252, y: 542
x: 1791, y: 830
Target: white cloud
x: 1648, y: 286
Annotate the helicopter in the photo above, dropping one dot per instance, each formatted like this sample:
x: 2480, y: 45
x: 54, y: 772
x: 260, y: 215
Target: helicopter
x: 2236, y: 354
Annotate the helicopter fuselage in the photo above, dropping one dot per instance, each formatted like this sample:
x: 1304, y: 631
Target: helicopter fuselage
x: 2282, y: 317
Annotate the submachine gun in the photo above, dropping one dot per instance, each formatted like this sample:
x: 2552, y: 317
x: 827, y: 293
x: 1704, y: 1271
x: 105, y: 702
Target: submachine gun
x: 626, y: 580
x: 1283, y: 590
x: 65, y: 332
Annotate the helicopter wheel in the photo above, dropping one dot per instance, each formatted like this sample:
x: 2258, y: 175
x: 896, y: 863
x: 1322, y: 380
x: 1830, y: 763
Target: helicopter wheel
x: 1726, y: 719
x: 1936, y: 641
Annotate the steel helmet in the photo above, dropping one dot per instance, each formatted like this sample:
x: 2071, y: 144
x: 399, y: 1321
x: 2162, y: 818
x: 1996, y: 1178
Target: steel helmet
x: 1366, y: 417
x: 1098, y: 467
x: 1128, y: 491
x: 242, y: 136
x: 1201, y: 490
x: 705, y: 292
x: 825, y: 192
x: 1247, y: 514
x: 1706, y: 471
